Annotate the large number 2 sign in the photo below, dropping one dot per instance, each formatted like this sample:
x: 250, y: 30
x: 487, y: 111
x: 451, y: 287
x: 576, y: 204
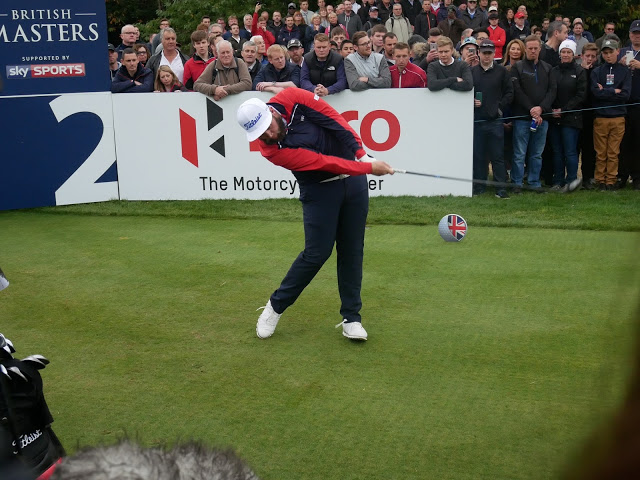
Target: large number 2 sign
x: 81, y: 186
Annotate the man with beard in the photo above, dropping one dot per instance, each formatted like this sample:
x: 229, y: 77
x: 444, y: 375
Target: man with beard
x: 299, y: 131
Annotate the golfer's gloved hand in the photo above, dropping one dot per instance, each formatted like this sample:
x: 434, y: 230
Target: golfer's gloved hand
x: 366, y: 158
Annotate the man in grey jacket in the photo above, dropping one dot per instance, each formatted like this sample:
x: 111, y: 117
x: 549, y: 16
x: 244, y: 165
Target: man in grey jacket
x: 366, y: 69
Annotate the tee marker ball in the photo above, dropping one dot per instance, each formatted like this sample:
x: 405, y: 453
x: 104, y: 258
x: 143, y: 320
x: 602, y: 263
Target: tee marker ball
x: 452, y: 228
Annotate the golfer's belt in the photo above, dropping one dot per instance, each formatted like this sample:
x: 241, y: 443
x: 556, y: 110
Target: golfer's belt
x: 337, y: 177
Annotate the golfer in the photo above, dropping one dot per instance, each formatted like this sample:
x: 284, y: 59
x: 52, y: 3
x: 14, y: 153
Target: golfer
x: 299, y: 131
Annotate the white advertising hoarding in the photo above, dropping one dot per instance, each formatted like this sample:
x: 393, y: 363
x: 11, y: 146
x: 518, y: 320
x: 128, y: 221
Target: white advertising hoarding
x: 186, y: 146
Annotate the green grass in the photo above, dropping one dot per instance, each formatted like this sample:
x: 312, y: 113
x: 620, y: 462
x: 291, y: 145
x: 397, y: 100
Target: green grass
x: 582, y: 210
x: 492, y: 358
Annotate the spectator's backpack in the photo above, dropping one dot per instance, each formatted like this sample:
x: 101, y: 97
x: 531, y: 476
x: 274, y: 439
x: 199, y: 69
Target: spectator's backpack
x: 236, y: 68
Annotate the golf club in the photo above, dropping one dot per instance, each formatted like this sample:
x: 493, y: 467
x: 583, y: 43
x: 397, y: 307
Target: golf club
x: 570, y: 186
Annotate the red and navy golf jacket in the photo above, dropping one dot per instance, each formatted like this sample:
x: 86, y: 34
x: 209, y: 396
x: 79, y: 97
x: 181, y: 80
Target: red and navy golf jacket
x: 319, y: 143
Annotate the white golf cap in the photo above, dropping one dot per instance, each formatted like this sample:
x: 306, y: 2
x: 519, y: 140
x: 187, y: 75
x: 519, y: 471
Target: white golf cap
x: 255, y: 117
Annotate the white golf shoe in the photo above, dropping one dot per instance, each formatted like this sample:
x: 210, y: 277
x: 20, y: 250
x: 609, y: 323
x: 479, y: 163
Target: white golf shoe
x: 267, y: 321
x: 353, y: 330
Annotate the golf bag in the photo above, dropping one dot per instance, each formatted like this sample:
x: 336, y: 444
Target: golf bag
x: 27, y: 442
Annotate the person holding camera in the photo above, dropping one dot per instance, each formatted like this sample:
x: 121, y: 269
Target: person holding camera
x: 469, y: 51
x: 259, y: 27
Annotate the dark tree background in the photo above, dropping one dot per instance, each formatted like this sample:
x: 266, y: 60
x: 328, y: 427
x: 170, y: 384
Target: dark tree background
x: 185, y: 14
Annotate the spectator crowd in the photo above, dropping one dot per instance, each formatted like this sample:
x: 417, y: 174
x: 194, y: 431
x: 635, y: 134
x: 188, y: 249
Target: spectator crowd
x: 544, y: 95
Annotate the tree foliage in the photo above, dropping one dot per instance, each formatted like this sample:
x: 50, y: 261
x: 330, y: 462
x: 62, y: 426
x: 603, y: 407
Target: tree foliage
x: 185, y: 15
x: 121, y: 12
x: 594, y: 13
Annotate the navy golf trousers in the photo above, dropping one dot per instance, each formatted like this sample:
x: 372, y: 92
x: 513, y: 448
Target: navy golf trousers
x: 333, y: 212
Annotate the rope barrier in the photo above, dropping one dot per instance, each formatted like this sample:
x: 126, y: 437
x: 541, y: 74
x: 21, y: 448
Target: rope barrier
x: 561, y: 112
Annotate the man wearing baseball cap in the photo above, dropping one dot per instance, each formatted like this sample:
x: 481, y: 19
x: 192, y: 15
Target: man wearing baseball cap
x: 519, y: 30
x: 114, y: 64
x: 497, y: 34
x: 493, y: 94
x: 611, y: 87
x: 629, y: 156
x: 469, y: 51
x: 299, y: 131
x: 296, y: 52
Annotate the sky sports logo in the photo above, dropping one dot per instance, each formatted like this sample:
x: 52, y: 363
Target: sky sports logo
x: 58, y: 70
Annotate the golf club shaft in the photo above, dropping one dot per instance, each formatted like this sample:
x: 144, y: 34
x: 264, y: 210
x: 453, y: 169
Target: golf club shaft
x: 489, y: 183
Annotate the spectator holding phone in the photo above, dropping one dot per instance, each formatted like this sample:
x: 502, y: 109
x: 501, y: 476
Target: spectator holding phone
x: 432, y: 43
x: 493, y: 95
x: 469, y: 51
x: 259, y: 27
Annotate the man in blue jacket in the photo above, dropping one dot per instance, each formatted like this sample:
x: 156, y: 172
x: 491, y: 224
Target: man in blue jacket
x: 132, y: 77
x: 278, y: 74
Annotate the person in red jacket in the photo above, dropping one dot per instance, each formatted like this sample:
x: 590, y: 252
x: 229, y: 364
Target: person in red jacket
x: 259, y: 27
x: 202, y: 57
x: 299, y: 131
x: 497, y: 34
x: 405, y: 74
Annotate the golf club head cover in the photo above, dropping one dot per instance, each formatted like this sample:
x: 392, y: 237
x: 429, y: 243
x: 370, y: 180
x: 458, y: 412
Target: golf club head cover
x: 25, y: 419
x: 4, y: 283
x: 6, y: 347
